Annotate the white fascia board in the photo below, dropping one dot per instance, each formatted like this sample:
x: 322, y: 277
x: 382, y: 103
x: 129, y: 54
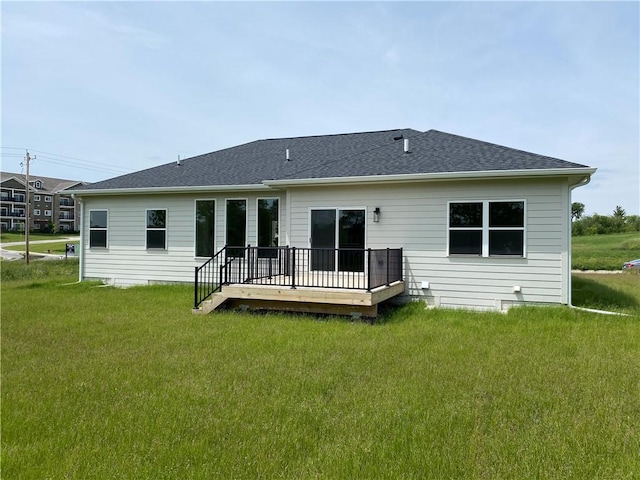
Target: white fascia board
x: 160, y: 190
x: 414, y: 177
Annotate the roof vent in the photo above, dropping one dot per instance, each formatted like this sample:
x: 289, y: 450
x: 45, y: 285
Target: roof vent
x: 287, y: 155
x: 178, y: 162
x: 406, y: 145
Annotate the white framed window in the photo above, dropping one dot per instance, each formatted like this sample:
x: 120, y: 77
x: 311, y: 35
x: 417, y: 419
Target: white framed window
x: 47, y: 198
x: 236, y: 224
x: 205, y: 218
x: 38, y: 184
x: 487, y: 228
x: 48, y: 213
x: 98, y: 228
x: 36, y: 198
x: 157, y: 229
x: 268, y: 219
x: 36, y: 212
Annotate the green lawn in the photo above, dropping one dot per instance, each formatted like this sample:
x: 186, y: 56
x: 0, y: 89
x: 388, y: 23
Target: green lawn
x: 57, y: 247
x: 8, y: 237
x: 604, y: 252
x: 101, y: 383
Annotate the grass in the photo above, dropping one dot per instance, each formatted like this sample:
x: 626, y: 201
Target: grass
x: 57, y: 247
x: 8, y: 237
x: 604, y: 252
x: 620, y: 292
x: 109, y: 383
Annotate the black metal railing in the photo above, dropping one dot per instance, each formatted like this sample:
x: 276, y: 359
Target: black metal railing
x: 343, y: 268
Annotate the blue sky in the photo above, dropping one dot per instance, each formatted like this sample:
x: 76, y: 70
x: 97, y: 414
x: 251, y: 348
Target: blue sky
x: 96, y: 89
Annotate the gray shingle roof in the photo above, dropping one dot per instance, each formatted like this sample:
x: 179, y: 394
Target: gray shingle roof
x: 343, y: 155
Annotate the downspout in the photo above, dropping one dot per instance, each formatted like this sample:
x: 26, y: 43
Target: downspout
x: 81, y: 266
x: 583, y: 183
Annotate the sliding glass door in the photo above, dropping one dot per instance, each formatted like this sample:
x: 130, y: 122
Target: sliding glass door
x: 342, y: 228
x: 323, y: 240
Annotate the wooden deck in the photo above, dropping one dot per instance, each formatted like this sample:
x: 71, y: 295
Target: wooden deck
x: 337, y: 301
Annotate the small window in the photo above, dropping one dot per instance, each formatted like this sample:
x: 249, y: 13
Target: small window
x: 48, y: 213
x: 465, y: 228
x: 98, y: 229
x: 36, y: 212
x: 157, y: 229
x: 487, y: 228
x: 506, y: 228
x: 36, y: 198
x: 38, y: 184
x: 47, y: 198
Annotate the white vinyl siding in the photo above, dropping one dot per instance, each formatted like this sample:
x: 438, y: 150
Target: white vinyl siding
x: 128, y: 262
x: 415, y: 217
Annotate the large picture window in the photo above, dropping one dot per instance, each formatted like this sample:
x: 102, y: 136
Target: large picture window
x: 236, y: 227
x: 157, y: 229
x: 268, y: 215
x: 98, y: 229
x: 205, y: 227
x: 487, y: 228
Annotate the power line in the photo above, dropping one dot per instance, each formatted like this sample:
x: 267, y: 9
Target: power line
x: 66, y: 160
x: 95, y: 168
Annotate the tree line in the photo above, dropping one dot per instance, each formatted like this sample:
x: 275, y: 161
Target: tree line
x: 617, y: 222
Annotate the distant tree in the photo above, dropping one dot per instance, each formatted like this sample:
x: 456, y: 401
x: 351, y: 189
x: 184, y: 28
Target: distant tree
x: 619, y: 212
x: 577, y: 210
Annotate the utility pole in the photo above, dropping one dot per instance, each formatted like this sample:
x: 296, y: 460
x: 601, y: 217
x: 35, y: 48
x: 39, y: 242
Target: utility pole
x: 27, y: 224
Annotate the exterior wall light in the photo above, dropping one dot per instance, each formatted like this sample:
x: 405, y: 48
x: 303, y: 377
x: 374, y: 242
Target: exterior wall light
x: 376, y: 215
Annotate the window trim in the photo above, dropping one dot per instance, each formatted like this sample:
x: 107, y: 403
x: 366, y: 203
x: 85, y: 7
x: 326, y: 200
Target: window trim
x: 48, y: 198
x: 36, y: 198
x: 195, y: 225
x: 48, y: 213
x: 106, y: 230
x: 36, y: 212
x: 147, y: 228
x: 486, y: 229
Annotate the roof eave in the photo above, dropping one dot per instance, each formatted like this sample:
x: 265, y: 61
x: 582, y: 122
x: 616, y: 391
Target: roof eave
x: 443, y: 176
x: 170, y: 190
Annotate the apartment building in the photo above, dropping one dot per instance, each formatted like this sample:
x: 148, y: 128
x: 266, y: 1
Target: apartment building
x: 51, y: 205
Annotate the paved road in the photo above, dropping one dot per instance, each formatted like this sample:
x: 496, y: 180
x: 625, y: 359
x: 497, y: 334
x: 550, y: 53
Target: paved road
x: 16, y: 255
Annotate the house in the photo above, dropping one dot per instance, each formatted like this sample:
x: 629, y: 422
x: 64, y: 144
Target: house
x: 50, y: 203
x: 473, y: 224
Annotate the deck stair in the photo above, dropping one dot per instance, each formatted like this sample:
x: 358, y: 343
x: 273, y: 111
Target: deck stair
x: 212, y: 303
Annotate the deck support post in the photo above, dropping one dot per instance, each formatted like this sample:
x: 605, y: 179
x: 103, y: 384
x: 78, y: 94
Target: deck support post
x: 293, y: 268
x: 387, y: 262
x: 368, y: 269
x: 195, y: 290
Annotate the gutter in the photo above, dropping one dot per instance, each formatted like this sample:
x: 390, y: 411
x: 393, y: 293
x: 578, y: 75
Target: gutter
x: 413, y: 177
x: 160, y: 190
